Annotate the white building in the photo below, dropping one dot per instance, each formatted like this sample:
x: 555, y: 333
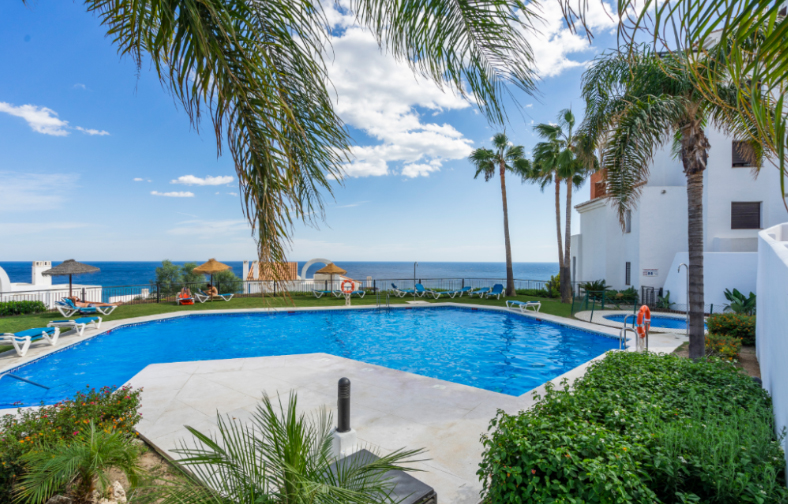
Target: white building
x: 42, y: 289
x: 648, y: 252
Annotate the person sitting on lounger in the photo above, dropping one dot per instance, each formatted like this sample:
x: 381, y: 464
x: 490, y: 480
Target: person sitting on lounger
x: 87, y: 304
x: 211, y: 290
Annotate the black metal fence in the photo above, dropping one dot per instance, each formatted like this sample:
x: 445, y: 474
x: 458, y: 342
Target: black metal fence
x: 167, y: 293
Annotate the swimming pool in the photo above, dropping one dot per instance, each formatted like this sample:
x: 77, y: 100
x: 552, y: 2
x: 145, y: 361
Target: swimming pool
x: 502, y: 352
x: 656, y: 321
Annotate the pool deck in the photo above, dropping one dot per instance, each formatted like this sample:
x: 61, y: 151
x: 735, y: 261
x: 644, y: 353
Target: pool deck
x: 390, y: 409
x: 599, y: 318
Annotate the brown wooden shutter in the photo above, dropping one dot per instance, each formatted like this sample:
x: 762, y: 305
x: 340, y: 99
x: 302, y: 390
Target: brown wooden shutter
x: 745, y: 215
x: 742, y: 154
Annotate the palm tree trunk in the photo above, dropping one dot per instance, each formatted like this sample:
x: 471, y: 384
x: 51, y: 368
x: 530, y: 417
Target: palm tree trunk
x: 558, y: 220
x: 694, y: 154
x: 566, y: 278
x: 509, y: 270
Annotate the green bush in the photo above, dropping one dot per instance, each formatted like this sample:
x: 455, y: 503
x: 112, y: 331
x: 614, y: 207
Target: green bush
x: 640, y: 428
x: 723, y: 346
x: 227, y: 282
x: 553, y: 286
x: 8, y: 308
x: 734, y: 325
x: 111, y: 410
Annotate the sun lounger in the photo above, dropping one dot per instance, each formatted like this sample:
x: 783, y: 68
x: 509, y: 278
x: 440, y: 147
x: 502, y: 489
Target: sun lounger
x: 401, y: 292
x: 77, y: 325
x: 184, y: 299
x: 524, y: 305
x: 496, y: 291
x: 67, y: 308
x: 21, y: 341
x: 481, y: 292
x: 203, y: 297
x: 421, y: 291
x: 359, y: 293
x: 320, y: 293
x: 451, y: 293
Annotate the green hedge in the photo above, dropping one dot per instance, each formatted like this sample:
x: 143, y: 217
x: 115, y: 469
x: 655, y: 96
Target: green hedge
x: 8, y: 308
x: 734, y: 325
x: 640, y: 428
x: 112, y: 410
x: 532, y: 292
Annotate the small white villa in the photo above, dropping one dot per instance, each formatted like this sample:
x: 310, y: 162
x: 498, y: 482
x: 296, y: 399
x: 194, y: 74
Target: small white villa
x: 648, y: 252
x: 41, y: 287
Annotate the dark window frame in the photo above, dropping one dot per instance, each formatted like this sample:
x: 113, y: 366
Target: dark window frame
x: 628, y: 273
x: 744, y: 214
x: 627, y: 221
x: 739, y: 160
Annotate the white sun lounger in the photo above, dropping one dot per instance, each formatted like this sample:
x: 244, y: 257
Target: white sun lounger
x: 524, y: 305
x: 77, y: 325
x: 21, y: 341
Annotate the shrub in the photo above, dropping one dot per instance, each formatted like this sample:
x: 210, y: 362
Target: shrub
x: 553, y: 286
x: 111, y: 410
x: 639, y: 428
x: 227, y: 281
x: 734, y: 325
x: 8, y: 308
x: 722, y: 346
x: 532, y: 292
x: 739, y: 303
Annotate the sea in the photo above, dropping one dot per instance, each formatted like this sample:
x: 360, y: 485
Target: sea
x: 118, y: 273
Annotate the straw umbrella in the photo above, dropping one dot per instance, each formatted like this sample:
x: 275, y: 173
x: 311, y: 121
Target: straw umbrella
x: 70, y: 267
x: 211, y: 267
x: 331, y: 269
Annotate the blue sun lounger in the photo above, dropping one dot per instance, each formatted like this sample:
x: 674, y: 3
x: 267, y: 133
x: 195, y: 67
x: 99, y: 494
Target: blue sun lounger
x: 496, y: 291
x: 421, y: 291
x: 401, y: 292
x: 451, y: 293
x: 481, y: 292
x: 203, y: 296
x: 21, y: 341
x: 359, y: 293
x: 67, y: 308
x: 77, y: 325
x: 524, y: 305
x: 320, y: 293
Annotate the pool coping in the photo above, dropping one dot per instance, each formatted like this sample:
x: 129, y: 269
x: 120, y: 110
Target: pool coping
x: 599, y: 319
x: 44, y: 350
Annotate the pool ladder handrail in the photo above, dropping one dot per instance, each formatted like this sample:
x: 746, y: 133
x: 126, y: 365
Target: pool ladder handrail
x: 622, y: 335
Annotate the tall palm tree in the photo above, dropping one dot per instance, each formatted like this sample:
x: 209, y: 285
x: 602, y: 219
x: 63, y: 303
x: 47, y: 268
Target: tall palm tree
x: 564, y: 156
x: 638, y: 103
x: 505, y: 157
x: 257, y: 70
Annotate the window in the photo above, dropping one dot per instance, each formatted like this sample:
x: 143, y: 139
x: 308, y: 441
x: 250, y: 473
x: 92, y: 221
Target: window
x: 746, y: 215
x: 628, y: 274
x: 628, y: 221
x: 742, y: 154
x: 599, y: 189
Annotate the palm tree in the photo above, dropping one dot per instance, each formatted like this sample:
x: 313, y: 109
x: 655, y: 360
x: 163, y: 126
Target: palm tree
x: 637, y: 103
x: 257, y: 69
x: 283, y: 457
x: 82, y: 462
x: 505, y: 157
x: 568, y: 157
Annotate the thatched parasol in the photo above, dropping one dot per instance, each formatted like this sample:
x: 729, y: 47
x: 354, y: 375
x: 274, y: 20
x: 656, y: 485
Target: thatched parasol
x: 70, y: 267
x: 211, y: 267
x: 331, y: 269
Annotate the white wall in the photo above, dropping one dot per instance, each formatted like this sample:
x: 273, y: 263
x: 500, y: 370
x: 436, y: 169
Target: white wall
x: 663, y: 231
x: 771, y: 338
x: 721, y: 270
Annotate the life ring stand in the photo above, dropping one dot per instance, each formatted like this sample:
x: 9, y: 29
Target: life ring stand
x: 643, y: 321
x: 346, y: 286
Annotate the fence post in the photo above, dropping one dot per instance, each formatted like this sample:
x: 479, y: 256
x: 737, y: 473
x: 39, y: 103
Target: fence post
x: 84, y: 299
x: 374, y: 285
x: 158, y: 293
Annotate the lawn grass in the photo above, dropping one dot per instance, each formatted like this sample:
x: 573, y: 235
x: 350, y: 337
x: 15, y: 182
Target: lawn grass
x: 22, y: 322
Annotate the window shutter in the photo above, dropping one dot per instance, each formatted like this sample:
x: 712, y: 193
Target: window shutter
x: 745, y: 215
x: 628, y: 279
x: 741, y: 155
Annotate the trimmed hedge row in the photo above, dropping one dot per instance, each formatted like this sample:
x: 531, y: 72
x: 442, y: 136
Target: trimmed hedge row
x: 8, y: 308
x: 734, y: 325
x: 640, y: 428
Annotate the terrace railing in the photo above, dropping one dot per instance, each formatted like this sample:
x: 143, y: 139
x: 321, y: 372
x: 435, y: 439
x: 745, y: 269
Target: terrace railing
x: 167, y: 293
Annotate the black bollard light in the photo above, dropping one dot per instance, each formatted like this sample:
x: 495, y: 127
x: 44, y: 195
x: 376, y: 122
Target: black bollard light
x: 343, y: 406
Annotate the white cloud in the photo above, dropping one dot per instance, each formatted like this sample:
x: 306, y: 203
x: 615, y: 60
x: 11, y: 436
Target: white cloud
x: 137, y: 179
x: 553, y: 43
x: 174, y: 194
x: 79, y: 86
x: 351, y: 205
x: 233, y: 193
x: 420, y: 170
x: 41, y: 119
x: 45, y: 120
x: 32, y: 192
x: 207, y: 181
x: 92, y: 132
x: 208, y: 228
x: 382, y: 97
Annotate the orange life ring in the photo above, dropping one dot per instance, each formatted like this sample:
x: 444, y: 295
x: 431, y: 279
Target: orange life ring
x: 643, y: 321
x: 346, y: 286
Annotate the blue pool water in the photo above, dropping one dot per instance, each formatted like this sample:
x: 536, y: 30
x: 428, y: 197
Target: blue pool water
x: 502, y: 352
x: 656, y: 321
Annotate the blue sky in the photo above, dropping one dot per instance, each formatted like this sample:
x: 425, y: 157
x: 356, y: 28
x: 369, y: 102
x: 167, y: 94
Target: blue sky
x: 98, y: 162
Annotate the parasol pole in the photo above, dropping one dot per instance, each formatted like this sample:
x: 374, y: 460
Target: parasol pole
x: 69, y: 286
